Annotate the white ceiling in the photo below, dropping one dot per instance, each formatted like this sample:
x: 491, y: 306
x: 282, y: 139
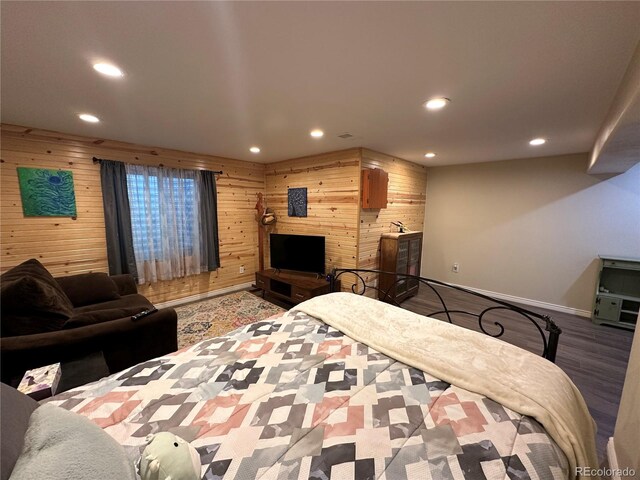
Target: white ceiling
x: 220, y: 77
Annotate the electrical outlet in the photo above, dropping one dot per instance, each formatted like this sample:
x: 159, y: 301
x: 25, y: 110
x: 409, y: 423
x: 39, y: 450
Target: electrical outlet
x: 241, y: 268
x: 455, y: 268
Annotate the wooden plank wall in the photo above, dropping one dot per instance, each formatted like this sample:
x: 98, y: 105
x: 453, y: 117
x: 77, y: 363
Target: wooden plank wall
x: 67, y: 246
x: 406, y: 202
x: 333, y: 199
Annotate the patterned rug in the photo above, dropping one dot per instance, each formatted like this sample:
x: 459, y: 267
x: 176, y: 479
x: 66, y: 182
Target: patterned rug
x: 218, y: 316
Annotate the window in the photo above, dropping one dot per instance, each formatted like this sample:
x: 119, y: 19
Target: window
x: 143, y: 211
x: 167, y: 222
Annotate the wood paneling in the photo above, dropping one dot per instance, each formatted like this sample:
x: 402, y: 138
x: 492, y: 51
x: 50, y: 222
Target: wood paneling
x: 406, y: 202
x: 333, y: 191
x: 333, y: 182
x: 334, y: 206
x: 67, y: 246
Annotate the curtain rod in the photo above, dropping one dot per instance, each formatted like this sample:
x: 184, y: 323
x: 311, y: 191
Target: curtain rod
x: 217, y: 172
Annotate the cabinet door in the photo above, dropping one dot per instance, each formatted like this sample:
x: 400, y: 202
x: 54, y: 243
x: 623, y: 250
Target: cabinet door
x: 607, y: 308
x: 402, y: 266
x: 415, y: 245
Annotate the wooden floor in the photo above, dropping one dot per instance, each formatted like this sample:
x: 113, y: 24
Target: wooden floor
x: 595, y: 357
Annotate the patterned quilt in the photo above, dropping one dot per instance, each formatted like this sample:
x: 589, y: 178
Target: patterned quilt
x: 292, y: 398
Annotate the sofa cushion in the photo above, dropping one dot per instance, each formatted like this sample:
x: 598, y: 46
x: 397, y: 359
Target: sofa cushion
x: 98, y: 316
x: 16, y: 411
x: 62, y: 445
x: 135, y: 301
x: 89, y: 288
x: 32, y: 301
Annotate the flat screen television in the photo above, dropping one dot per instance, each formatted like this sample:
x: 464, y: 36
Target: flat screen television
x: 304, y: 253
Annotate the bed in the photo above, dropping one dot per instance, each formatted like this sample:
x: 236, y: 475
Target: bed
x: 346, y: 387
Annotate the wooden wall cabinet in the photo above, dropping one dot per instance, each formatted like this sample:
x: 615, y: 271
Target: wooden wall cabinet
x: 375, y: 183
x: 617, y: 300
x: 399, y: 253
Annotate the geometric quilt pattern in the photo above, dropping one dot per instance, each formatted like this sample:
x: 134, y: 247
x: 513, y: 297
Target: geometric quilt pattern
x: 292, y: 398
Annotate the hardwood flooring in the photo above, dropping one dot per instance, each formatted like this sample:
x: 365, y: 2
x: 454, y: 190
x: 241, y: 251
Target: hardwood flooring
x: 595, y: 357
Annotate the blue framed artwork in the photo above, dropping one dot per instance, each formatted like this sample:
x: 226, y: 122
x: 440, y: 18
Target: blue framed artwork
x: 47, y: 193
x: 298, y: 202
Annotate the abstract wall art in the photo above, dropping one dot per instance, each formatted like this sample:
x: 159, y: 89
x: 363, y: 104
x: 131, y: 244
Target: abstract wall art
x: 297, y: 202
x: 47, y: 193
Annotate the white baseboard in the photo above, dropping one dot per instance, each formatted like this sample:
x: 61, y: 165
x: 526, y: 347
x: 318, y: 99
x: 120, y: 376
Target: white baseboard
x: 202, y: 296
x: 613, y: 460
x: 528, y: 301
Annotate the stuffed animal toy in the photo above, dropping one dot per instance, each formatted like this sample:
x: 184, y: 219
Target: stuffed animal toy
x: 168, y: 457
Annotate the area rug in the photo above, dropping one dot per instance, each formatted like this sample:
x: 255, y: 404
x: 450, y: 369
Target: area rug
x: 220, y: 315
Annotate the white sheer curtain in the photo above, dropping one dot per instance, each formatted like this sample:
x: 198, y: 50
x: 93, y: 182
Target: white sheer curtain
x: 165, y: 221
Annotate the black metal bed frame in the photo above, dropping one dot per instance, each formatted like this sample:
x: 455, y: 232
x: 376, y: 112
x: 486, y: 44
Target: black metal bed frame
x: 542, y: 323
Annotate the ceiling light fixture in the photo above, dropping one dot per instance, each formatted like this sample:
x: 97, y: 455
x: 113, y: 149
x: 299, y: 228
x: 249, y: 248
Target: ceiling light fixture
x: 88, y: 118
x: 108, y: 69
x: 537, y: 141
x: 430, y: 155
x: 317, y: 133
x: 254, y: 150
x: 437, y: 103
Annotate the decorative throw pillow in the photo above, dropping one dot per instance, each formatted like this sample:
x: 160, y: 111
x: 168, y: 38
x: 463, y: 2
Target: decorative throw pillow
x: 32, y: 301
x: 62, y: 445
x: 89, y: 288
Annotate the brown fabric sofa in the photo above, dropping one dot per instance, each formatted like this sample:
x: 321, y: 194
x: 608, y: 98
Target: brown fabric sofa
x: 46, y: 320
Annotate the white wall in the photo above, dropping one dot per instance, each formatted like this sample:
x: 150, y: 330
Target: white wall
x: 617, y: 146
x: 531, y: 228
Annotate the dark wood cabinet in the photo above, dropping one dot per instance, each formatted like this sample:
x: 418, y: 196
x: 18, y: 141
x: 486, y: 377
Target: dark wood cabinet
x: 399, y: 253
x: 375, y: 183
x: 290, y: 286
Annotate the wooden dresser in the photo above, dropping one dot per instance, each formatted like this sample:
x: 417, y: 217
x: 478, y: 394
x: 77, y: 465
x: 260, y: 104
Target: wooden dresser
x: 400, y: 253
x: 290, y: 286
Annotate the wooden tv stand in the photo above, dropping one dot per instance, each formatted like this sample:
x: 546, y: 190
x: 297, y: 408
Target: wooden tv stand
x: 290, y: 286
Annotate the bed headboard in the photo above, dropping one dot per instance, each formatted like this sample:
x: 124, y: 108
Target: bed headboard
x: 477, y: 305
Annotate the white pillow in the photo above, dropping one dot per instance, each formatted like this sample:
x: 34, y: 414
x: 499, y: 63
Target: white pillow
x: 62, y: 445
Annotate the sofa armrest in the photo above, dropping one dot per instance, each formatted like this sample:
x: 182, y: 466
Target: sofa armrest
x: 126, y: 284
x: 124, y: 342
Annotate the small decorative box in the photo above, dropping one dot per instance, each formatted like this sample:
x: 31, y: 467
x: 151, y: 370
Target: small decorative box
x: 41, y: 382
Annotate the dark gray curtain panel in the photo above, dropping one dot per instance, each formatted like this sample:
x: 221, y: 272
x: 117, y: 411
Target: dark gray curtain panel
x: 117, y: 218
x: 210, y: 252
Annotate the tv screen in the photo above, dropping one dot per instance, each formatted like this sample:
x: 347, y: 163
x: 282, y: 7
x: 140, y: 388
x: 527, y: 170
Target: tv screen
x: 304, y: 253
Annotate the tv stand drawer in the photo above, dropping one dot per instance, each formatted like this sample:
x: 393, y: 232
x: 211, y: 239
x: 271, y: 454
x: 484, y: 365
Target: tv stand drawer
x: 262, y: 282
x: 300, y: 295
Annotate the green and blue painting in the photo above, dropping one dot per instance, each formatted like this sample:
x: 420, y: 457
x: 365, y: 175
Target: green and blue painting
x: 47, y: 193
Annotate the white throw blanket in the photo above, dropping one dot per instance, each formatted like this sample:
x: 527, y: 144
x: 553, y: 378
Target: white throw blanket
x: 519, y: 380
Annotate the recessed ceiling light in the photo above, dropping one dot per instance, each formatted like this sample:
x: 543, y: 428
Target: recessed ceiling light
x: 108, y: 69
x: 437, y: 103
x: 317, y: 133
x: 88, y: 118
x: 537, y: 141
x: 254, y: 150
x: 430, y: 155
